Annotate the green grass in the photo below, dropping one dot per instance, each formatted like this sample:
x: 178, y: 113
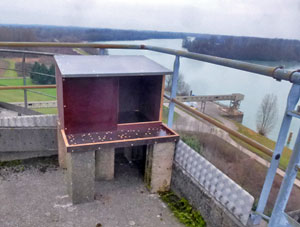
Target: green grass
x: 286, y: 154
x: 46, y: 110
x: 166, y: 113
x: 81, y: 51
x: 192, y: 141
x: 11, y: 65
x: 18, y: 95
x: 182, y: 210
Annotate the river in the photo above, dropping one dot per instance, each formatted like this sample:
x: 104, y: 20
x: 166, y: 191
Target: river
x: 209, y: 79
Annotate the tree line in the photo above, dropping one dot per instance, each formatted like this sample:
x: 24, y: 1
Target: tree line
x: 245, y: 48
x: 41, y: 74
x: 77, y: 34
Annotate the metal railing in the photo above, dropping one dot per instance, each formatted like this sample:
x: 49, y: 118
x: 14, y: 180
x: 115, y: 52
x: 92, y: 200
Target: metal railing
x: 25, y: 74
x: 278, y: 73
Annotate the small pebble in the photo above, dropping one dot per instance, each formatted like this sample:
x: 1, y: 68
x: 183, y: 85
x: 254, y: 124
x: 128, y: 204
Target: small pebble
x: 131, y: 223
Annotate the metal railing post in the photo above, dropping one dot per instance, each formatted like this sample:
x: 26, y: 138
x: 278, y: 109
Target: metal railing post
x: 24, y: 81
x: 173, y: 91
x: 278, y: 217
x: 102, y: 51
x: 292, y: 100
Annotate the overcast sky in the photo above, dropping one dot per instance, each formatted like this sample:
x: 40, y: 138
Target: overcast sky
x: 264, y: 18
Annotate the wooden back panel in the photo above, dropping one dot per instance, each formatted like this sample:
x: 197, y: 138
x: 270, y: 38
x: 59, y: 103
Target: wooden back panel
x: 150, y: 103
x: 140, y: 98
x: 90, y: 104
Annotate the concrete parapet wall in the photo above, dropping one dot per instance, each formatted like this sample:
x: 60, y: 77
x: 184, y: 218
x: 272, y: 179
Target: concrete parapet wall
x: 38, y: 121
x: 194, y: 170
x: 18, y: 109
x: 23, y: 143
x: 27, y: 137
x: 211, y: 210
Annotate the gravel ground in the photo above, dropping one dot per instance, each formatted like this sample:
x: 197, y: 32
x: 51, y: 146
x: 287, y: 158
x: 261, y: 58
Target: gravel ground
x: 35, y: 195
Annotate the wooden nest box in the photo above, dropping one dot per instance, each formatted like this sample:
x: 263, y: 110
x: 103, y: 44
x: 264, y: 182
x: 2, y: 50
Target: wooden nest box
x: 110, y: 101
x: 105, y: 102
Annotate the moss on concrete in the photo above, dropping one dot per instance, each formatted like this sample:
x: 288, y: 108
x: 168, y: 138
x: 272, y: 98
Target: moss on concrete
x: 182, y: 210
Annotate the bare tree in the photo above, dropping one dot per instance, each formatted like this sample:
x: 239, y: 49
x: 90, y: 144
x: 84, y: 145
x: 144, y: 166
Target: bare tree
x: 267, y: 114
x: 183, y: 88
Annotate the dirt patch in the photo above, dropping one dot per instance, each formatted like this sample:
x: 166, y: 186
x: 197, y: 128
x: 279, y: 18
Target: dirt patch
x: 42, y: 164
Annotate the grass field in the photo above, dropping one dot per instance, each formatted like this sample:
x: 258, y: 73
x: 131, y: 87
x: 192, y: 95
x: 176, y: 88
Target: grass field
x: 10, y: 65
x: 166, y: 113
x: 18, y: 95
x: 47, y: 110
x: 285, y: 157
x: 81, y: 51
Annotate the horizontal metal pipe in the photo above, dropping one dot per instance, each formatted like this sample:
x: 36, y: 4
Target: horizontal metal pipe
x: 26, y: 52
x: 69, y: 45
x: 275, y: 72
x: 226, y: 129
x: 37, y: 73
x: 201, y: 115
x: 41, y: 93
x: 26, y: 87
x: 15, y: 70
x: 41, y: 74
x: 262, y: 215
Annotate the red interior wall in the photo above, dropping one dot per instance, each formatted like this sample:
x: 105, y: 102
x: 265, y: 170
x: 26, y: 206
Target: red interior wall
x: 90, y: 104
x: 141, y: 93
x: 150, y: 104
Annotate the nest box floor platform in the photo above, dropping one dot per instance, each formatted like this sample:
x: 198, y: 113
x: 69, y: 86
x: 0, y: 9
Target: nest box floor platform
x: 126, y: 135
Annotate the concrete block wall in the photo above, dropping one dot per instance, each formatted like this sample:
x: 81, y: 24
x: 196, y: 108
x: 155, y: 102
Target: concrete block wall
x: 210, y: 190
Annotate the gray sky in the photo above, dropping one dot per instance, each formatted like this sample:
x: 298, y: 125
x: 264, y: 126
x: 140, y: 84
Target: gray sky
x: 264, y: 18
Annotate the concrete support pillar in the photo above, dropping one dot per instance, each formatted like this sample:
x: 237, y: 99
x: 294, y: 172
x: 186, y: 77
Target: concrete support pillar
x: 62, y: 150
x: 159, y: 163
x: 105, y: 164
x: 128, y: 154
x: 81, y: 176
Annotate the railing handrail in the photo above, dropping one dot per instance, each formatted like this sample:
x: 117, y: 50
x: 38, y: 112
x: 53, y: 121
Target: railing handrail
x: 26, y: 52
x: 240, y: 136
x: 245, y: 139
x: 27, y: 87
x: 278, y: 73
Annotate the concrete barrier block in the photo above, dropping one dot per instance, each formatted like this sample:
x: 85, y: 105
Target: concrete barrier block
x: 80, y: 176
